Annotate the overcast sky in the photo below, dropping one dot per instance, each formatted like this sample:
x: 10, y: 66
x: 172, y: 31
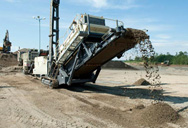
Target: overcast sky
x: 166, y: 20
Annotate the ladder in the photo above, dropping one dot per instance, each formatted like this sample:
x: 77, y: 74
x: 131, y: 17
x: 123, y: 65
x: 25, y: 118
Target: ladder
x: 69, y: 48
x: 54, y: 37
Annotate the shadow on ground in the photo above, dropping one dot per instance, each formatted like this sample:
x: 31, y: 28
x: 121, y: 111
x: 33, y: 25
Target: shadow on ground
x: 133, y: 93
x: 181, y: 110
x: 6, y: 87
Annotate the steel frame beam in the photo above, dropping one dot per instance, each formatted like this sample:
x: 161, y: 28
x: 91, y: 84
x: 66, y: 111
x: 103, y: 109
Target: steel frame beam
x: 54, y: 31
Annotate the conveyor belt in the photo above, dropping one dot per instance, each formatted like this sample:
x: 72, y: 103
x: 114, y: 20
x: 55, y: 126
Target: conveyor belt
x: 88, y: 43
x: 80, y: 67
x: 113, y: 49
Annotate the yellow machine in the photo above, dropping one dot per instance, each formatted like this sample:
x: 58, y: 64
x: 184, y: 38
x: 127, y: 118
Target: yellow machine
x: 1, y: 48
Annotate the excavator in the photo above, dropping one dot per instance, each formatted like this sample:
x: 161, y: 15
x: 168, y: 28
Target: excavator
x: 88, y: 44
x: 6, y: 44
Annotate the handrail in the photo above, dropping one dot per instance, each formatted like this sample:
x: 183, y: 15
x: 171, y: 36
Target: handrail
x: 70, y: 27
x: 78, y: 18
x: 122, y: 24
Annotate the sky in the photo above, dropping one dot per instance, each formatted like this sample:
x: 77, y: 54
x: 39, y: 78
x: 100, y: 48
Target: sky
x: 165, y: 20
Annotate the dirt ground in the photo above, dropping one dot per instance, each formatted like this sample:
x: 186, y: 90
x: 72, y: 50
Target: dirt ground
x: 113, y: 102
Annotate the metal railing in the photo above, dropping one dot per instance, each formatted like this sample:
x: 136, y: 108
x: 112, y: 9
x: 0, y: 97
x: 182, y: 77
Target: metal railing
x: 118, y: 22
x: 64, y: 37
x: 78, y: 22
x: 79, y: 19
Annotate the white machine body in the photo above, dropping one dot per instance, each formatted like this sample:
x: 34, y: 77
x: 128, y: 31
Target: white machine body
x: 40, y: 66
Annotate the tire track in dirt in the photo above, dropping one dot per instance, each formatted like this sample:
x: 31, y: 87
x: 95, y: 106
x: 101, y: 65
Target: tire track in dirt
x: 83, y: 103
x: 17, y: 109
x: 108, y: 115
x: 87, y: 104
x: 31, y: 104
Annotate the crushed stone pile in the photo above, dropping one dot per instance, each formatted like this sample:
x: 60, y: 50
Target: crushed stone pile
x: 141, y: 81
x: 157, y: 114
x: 117, y: 65
x: 7, y: 60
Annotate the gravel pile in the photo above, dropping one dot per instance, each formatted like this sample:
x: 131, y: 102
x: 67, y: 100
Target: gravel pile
x: 141, y: 81
x: 158, y: 114
x: 117, y: 65
x: 7, y: 60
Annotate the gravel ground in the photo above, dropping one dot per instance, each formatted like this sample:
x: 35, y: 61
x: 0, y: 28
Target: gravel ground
x: 112, y: 102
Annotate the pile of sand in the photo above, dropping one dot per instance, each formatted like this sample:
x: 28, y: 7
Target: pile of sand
x: 141, y: 81
x: 157, y: 114
x: 7, y: 60
x: 117, y: 65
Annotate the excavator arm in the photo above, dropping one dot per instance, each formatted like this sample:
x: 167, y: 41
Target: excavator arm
x: 6, y: 43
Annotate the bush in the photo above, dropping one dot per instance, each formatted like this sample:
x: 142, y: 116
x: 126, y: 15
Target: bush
x: 180, y: 58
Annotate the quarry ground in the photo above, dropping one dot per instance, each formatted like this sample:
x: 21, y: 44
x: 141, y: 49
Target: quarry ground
x: 110, y: 103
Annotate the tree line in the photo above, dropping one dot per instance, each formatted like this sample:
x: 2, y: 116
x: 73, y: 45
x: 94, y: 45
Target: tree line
x: 180, y: 58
